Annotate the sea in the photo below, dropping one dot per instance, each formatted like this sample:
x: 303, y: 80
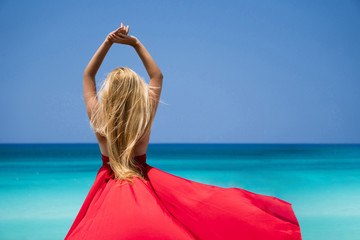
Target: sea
x: 43, y: 186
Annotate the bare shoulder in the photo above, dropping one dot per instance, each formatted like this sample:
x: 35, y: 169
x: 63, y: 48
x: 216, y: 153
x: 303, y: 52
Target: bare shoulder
x: 102, y: 144
x: 142, y: 145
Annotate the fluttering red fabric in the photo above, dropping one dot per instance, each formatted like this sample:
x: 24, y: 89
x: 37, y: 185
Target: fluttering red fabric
x: 166, y: 206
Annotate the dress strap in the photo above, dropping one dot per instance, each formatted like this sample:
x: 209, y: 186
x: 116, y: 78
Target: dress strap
x: 105, y: 159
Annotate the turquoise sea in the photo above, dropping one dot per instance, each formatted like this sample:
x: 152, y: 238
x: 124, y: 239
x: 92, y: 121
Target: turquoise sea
x: 44, y: 185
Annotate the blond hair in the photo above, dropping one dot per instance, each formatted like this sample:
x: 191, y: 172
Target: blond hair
x: 124, y: 113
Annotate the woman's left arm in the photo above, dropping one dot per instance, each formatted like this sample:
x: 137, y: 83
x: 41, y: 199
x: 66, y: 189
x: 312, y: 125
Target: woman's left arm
x: 89, y: 84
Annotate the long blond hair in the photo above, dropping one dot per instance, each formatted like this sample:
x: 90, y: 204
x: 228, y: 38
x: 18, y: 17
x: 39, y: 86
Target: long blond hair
x: 124, y: 113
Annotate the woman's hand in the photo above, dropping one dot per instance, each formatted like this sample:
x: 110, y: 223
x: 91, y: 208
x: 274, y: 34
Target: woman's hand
x: 121, y: 36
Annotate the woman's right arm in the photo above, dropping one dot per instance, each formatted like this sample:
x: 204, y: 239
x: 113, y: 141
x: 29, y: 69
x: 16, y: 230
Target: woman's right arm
x: 149, y: 63
x: 156, y: 77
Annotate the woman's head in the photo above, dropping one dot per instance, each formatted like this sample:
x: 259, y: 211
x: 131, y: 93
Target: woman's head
x: 122, y: 85
x: 123, y: 115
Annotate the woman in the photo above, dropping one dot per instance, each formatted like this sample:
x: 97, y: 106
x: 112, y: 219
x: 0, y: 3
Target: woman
x: 132, y: 200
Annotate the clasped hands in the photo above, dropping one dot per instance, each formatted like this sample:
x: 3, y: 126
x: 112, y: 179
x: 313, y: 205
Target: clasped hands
x: 121, y: 36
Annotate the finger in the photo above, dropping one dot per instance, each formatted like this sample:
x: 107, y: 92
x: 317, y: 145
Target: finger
x: 127, y: 30
x: 121, y: 29
x: 118, y: 38
x: 114, y: 34
x: 125, y: 37
x: 122, y: 24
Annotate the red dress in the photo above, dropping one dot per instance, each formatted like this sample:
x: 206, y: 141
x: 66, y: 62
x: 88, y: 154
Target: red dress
x: 170, y: 207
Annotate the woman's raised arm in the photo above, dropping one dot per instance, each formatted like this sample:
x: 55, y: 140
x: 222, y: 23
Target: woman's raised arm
x: 156, y: 77
x: 89, y: 84
x: 90, y: 71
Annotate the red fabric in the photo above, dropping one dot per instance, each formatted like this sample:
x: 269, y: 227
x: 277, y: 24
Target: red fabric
x: 170, y: 207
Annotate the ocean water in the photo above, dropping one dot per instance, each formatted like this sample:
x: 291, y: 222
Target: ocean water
x: 44, y: 185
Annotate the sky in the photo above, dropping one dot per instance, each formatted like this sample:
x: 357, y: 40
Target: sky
x: 234, y: 71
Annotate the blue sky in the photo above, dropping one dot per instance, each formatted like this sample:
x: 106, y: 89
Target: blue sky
x: 234, y: 71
